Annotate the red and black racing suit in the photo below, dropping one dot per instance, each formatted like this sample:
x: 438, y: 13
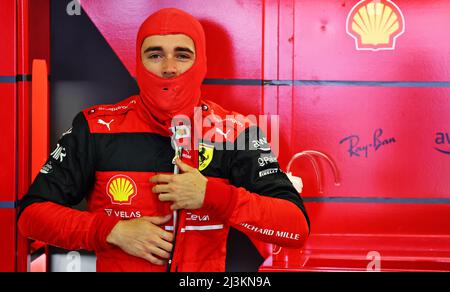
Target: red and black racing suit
x: 108, y: 157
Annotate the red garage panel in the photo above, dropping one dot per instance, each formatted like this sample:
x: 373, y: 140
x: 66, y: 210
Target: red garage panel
x: 8, y: 112
x: 347, y: 236
x: 324, y: 50
x: 7, y: 244
x: 33, y: 42
x: 380, y: 219
x: 8, y: 33
x: 233, y: 31
x: 245, y: 100
x: 402, y: 236
x: 39, y: 31
x: 34, y: 33
x: 408, y: 125
x: 8, y: 145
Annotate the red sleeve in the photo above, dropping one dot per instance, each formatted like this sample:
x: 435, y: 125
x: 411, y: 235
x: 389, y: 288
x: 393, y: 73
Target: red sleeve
x: 268, y: 219
x: 65, y: 227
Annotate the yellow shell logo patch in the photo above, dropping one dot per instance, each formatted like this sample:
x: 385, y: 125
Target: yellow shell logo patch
x: 121, y: 189
x: 375, y: 24
x: 205, y: 155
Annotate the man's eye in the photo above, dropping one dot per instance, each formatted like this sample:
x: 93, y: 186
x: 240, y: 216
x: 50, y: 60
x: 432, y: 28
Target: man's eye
x: 154, y: 56
x: 184, y: 57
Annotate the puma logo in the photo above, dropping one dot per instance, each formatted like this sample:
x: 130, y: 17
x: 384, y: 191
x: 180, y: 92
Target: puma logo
x: 222, y: 133
x: 102, y: 122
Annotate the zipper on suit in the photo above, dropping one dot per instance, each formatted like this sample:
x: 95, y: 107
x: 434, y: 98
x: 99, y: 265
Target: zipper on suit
x: 172, y: 253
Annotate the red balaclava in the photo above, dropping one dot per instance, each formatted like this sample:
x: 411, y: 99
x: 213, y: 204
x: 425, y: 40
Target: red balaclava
x: 166, y: 98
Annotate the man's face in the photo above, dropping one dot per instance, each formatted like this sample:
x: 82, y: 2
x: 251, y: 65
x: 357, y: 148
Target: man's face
x: 168, y: 56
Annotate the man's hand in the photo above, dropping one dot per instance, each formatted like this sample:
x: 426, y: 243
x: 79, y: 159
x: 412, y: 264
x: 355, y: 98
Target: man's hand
x: 186, y: 190
x: 143, y: 238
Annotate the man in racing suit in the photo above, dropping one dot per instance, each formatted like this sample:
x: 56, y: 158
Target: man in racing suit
x: 120, y: 158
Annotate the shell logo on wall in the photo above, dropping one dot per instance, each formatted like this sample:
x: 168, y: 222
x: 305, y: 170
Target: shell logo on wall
x: 121, y: 189
x: 375, y: 24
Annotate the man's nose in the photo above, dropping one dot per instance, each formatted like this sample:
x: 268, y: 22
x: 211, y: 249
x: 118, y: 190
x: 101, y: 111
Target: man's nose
x: 170, y: 68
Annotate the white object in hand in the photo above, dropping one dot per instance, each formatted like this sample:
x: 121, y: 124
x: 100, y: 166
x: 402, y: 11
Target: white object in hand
x: 296, y: 181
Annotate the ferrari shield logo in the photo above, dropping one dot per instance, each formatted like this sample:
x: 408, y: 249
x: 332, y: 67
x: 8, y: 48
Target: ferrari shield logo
x: 205, y: 155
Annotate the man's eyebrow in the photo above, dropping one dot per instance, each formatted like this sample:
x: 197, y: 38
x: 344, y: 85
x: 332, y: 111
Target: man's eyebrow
x: 184, y: 49
x: 149, y: 49
x: 177, y: 49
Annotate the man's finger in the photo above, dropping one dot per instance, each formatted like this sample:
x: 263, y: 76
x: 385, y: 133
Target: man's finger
x: 156, y: 251
x: 175, y: 206
x: 165, y: 242
x: 162, y: 189
x: 154, y: 260
x: 161, y: 178
x: 183, y: 166
x: 167, y: 246
x: 167, y: 197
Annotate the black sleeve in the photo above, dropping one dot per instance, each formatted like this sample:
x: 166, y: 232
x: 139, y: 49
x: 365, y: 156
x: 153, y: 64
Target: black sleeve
x: 254, y: 167
x: 68, y: 173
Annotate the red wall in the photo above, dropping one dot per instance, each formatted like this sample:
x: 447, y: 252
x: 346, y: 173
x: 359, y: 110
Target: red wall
x: 396, y: 200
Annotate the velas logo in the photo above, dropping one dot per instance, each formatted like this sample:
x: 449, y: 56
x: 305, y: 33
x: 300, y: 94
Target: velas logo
x: 442, y: 139
x: 121, y: 189
x: 123, y: 214
x: 375, y: 24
